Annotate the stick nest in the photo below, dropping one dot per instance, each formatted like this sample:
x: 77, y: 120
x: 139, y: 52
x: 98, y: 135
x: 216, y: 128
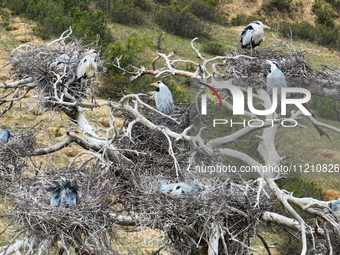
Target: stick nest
x: 86, y: 225
x: 14, y: 153
x: 53, y: 83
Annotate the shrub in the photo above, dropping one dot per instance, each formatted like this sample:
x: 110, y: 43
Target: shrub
x: 115, y: 82
x: 180, y: 21
x: 54, y: 17
x: 325, y: 15
x: 214, y: 49
x: 324, y: 107
x: 320, y: 33
x: 124, y: 12
x: 280, y: 5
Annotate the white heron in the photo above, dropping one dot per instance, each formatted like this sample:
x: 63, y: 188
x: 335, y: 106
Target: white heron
x: 275, y: 79
x: 163, y: 98
x: 87, y: 66
x: 252, y: 35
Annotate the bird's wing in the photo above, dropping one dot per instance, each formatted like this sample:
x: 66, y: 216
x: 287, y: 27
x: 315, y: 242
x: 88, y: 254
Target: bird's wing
x: 275, y: 79
x: 246, y: 35
x: 81, y: 67
x: 164, y: 100
x: 167, y: 188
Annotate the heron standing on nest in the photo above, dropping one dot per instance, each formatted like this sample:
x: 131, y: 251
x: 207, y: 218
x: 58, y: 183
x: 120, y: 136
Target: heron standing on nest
x: 163, y: 98
x: 252, y: 35
x: 275, y: 79
x: 87, y: 66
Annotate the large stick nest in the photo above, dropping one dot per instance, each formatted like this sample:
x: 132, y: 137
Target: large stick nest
x: 14, y: 153
x: 86, y: 225
x: 36, y: 61
x: 291, y: 62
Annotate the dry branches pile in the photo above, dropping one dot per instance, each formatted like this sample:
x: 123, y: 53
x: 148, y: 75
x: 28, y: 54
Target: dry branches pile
x: 52, y: 83
x: 85, y: 226
x: 14, y: 153
x: 292, y: 63
x: 188, y: 221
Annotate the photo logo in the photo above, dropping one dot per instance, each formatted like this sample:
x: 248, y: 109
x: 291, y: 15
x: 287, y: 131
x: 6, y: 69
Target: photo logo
x: 238, y: 99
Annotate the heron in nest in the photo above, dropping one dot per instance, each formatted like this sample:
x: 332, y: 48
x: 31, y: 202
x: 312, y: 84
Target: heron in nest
x: 87, y: 66
x: 252, y: 35
x: 4, y: 136
x: 63, y: 60
x: 181, y: 188
x: 163, y: 98
x: 64, y: 194
x: 275, y: 79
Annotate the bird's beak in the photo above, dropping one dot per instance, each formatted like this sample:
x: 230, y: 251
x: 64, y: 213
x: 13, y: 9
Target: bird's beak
x: 50, y: 67
x: 86, y: 53
x: 172, y: 192
x: 269, y: 62
x: 154, y: 84
x: 264, y: 26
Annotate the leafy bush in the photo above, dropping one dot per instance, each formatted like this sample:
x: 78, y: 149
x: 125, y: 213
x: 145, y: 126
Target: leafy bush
x: 321, y: 34
x: 214, y: 49
x: 54, y: 17
x: 180, y: 21
x: 324, y: 107
x: 325, y: 15
x: 280, y: 5
x: 132, y: 54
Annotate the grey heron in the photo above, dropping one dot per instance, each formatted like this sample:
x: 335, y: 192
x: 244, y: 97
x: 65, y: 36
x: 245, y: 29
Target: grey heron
x: 252, y: 35
x: 87, y: 66
x: 4, y: 136
x: 179, y: 188
x: 63, y: 60
x: 64, y: 194
x: 275, y: 79
x: 163, y: 98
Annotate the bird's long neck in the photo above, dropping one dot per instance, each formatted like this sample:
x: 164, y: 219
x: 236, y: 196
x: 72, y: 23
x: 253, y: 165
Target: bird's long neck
x: 273, y: 67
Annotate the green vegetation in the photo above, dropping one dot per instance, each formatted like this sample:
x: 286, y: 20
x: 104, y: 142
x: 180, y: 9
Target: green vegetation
x: 280, y: 5
x: 214, y: 48
x: 324, y: 107
x: 54, y: 17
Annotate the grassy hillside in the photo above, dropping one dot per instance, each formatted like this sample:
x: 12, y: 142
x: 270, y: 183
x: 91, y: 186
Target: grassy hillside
x: 308, y: 148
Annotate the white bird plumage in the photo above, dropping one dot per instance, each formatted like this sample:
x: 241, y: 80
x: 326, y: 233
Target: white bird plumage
x: 275, y: 79
x: 252, y: 35
x: 63, y: 60
x: 163, y: 98
x: 87, y: 66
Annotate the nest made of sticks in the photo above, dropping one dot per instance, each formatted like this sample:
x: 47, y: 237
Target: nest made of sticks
x: 226, y: 203
x: 86, y: 225
x: 14, y: 153
x: 292, y: 63
x: 35, y: 62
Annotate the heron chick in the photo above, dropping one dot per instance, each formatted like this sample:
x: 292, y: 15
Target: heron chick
x: 64, y: 194
x: 163, y: 98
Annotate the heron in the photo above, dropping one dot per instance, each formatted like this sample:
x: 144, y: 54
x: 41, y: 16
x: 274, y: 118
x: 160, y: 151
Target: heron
x: 87, y: 66
x: 275, y: 79
x: 4, y: 136
x: 64, y: 194
x: 63, y: 60
x: 163, y: 98
x: 177, y: 189
x: 252, y: 35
